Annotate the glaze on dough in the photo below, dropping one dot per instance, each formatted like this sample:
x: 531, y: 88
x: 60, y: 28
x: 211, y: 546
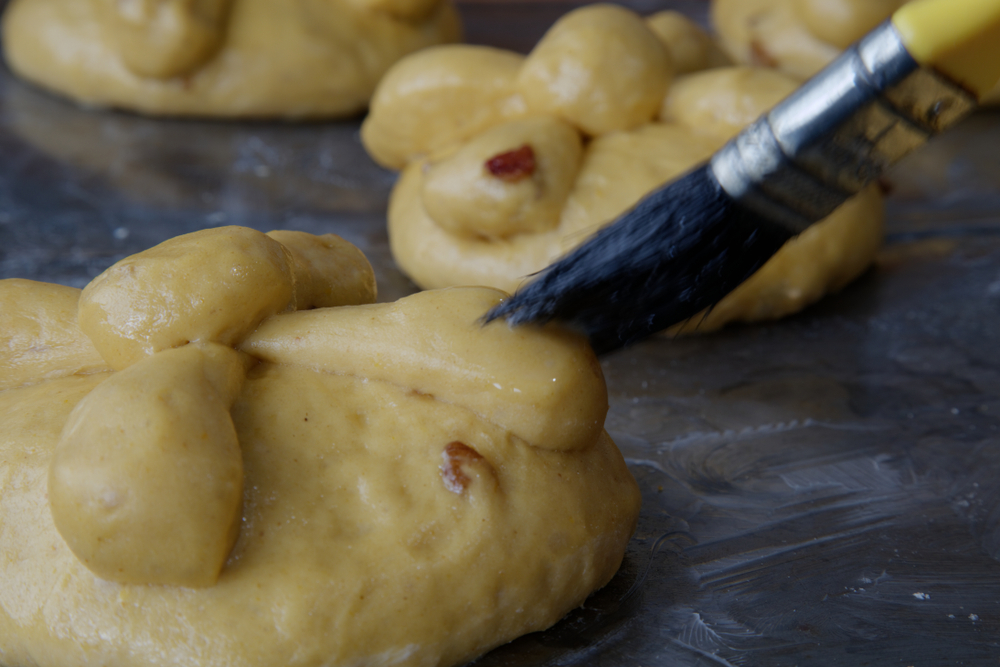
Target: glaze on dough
x: 491, y: 201
x: 343, y: 485
x: 228, y: 58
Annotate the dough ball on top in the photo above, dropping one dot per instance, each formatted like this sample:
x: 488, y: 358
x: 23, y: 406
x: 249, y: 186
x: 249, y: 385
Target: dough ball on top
x: 601, y: 69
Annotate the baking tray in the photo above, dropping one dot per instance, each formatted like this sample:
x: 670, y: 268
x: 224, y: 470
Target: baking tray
x: 821, y: 491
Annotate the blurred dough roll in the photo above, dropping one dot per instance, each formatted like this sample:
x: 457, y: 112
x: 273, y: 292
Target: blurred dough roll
x: 799, y: 37
x: 508, y: 161
x: 223, y: 452
x: 225, y: 58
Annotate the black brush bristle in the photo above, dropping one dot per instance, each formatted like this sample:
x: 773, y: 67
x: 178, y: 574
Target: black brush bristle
x: 679, y: 251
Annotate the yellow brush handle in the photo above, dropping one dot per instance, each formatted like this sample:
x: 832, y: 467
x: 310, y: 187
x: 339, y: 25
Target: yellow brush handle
x: 960, y: 38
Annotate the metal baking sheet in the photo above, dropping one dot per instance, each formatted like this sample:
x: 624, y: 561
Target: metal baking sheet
x: 821, y: 491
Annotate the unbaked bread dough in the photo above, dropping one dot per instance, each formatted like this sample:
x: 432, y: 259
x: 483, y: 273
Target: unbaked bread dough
x: 230, y: 58
x: 799, y: 37
x: 822, y: 259
x: 272, y: 477
x: 691, y: 48
x: 39, y: 335
x: 529, y: 176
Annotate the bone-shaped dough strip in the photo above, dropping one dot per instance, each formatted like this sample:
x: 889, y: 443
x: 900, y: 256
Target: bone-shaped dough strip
x: 542, y: 384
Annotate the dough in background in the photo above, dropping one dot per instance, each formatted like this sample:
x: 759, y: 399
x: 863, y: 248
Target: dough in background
x: 491, y: 197
x: 222, y: 58
x: 799, y: 37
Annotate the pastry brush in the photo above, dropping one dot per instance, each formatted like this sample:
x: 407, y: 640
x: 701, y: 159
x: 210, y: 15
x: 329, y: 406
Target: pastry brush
x: 688, y: 244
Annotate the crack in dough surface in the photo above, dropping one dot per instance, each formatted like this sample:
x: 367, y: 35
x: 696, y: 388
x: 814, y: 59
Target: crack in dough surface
x: 226, y: 58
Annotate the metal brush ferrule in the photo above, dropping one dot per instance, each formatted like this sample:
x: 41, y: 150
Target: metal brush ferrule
x: 839, y: 132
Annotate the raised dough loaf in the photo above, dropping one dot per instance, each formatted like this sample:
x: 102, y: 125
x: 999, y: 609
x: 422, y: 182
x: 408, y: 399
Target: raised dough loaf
x: 344, y: 485
x: 508, y: 162
x: 226, y: 58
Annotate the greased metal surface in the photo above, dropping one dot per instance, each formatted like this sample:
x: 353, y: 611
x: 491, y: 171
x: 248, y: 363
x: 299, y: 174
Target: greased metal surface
x: 823, y: 490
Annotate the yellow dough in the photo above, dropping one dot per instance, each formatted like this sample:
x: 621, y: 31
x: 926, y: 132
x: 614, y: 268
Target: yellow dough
x: 774, y: 33
x: 130, y: 446
x: 602, y: 70
x: 39, y: 334
x: 229, y: 58
x: 496, y: 200
x: 691, y: 48
x: 347, y: 484
x: 799, y: 37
